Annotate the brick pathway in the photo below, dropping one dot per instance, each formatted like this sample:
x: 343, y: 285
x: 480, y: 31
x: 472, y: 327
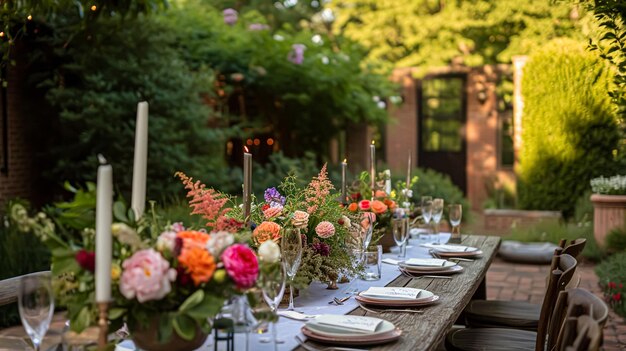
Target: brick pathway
x: 509, y: 281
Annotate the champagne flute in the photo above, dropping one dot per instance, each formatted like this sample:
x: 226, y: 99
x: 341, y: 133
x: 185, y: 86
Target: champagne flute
x: 455, y: 212
x: 399, y: 224
x: 427, y: 209
x: 291, y: 250
x: 437, y: 209
x: 273, y: 278
x: 36, y: 306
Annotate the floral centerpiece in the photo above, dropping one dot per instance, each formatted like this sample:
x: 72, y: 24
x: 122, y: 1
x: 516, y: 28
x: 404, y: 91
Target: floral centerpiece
x: 167, y: 281
x: 325, y: 225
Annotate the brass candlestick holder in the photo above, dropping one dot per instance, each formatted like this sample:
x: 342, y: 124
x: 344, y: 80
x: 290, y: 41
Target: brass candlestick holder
x: 103, y: 324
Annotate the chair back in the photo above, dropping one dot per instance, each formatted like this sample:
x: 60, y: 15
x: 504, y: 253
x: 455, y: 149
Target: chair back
x: 563, y: 267
x: 575, y: 247
x: 9, y: 287
x: 577, y: 320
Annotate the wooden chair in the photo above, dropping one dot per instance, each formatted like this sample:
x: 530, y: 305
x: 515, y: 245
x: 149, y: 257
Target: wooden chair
x: 9, y: 287
x: 470, y: 339
x: 584, y: 316
x: 515, y: 314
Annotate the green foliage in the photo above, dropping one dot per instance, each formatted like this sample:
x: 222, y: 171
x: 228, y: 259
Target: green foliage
x: 96, y: 90
x: 570, y: 128
x: 612, y: 276
x: 583, y: 211
x: 20, y: 253
x: 616, y: 240
x: 552, y: 231
x: 430, y: 33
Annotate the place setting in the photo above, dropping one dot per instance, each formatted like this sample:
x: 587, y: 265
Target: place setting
x: 350, y: 330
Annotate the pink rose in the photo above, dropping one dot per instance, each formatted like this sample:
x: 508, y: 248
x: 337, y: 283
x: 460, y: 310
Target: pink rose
x: 364, y: 205
x: 325, y: 229
x: 241, y: 265
x: 147, y: 276
x: 300, y: 219
x: 166, y: 241
x: 272, y: 211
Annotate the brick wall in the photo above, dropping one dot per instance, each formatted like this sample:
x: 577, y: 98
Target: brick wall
x: 21, y: 178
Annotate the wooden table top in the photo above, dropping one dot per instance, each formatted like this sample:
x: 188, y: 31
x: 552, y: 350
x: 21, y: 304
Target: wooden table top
x: 426, y: 330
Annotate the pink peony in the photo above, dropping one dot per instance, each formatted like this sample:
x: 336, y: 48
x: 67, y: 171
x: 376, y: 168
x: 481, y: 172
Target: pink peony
x: 241, y: 265
x: 300, y: 219
x: 147, y: 276
x: 325, y: 229
x: 230, y: 16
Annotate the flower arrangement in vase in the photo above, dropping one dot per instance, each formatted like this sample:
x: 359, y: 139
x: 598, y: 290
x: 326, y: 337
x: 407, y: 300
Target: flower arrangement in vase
x: 168, y: 282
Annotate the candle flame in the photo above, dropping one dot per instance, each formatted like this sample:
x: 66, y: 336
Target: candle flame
x: 245, y: 149
x: 345, y: 160
x: 373, y: 142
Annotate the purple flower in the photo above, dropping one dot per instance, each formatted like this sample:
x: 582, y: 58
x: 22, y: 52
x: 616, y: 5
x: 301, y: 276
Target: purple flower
x: 230, y: 16
x: 296, y: 56
x: 274, y: 198
x: 321, y: 249
x: 258, y: 26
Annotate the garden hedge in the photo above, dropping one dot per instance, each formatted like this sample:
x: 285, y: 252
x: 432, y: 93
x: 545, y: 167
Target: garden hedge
x: 570, y: 128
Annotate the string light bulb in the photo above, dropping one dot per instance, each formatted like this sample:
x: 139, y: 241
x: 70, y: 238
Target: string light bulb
x: 94, y: 7
x: 1, y: 34
x: 30, y: 17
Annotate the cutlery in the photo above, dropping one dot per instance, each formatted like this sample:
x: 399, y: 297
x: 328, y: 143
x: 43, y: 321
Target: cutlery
x: 436, y: 255
x: 407, y: 274
x: 332, y: 348
x: 389, y: 310
x: 339, y: 301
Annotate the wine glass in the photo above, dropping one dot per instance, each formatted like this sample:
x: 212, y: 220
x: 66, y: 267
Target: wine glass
x: 399, y: 224
x: 291, y: 250
x: 273, y: 278
x: 437, y: 209
x: 366, y: 233
x: 455, y: 212
x: 36, y: 306
x: 358, y: 256
x: 427, y: 209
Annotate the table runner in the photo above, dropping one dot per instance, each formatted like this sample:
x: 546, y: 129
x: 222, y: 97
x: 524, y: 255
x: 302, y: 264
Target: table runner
x: 314, y: 300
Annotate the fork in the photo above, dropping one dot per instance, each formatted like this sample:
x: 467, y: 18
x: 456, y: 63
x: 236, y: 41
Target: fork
x: 332, y: 348
x: 436, y: 255
x: 339, y: 301
x: 409, y: 275
x: 377, y: 311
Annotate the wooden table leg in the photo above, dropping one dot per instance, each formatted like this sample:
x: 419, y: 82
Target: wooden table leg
x: 481, y: 292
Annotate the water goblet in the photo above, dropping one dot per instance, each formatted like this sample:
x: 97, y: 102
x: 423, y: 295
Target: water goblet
x: 399, y: 228
x: 455, y: 213
x: 36, y: 306
x: 291, y: 251
x: 437, y: 208
x: 272, y: 280
x: 427, y: 210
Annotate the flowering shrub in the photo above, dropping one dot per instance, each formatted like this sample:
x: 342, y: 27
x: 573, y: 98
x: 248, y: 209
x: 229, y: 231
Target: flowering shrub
x: 615, y: 185
x: 612, y: 275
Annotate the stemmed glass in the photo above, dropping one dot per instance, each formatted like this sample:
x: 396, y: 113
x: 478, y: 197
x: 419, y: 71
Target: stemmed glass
x: 427, y: 209
x: 291, y: 249
x: 455, y: 212
x: 437, y: 209
x: 400, y: 231
x: 36, y: 306
x: 272, y: 279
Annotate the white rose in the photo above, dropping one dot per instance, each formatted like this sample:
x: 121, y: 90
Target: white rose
x: 269, y: 252
x: 346, y: 222
x: 166, y: 241
x: 218, y: 242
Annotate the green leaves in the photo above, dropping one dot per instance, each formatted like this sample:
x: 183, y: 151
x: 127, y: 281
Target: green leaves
x: 185, y: 326
x: 192, y: 301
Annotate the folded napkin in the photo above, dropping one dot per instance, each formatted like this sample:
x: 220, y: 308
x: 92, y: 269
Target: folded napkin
x: 425, y: 262
x: 450, y: 248
x: 342, y: 323
x: 391, y: 261
x: 392, y: 293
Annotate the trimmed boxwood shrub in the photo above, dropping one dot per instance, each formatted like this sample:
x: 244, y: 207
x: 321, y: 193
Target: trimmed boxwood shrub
x: 569, y: 126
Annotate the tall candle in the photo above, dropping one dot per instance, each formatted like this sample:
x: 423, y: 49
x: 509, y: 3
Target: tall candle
x: 344, y: 167
x: 408, y: 172
x: 373, y: 167
x: 104, y: 218
x: 138, y: 200
x: 388, y: 181
x: 247, y: 184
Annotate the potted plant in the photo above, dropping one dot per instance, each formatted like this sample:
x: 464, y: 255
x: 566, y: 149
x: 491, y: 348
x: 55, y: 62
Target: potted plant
x: 609, y: 205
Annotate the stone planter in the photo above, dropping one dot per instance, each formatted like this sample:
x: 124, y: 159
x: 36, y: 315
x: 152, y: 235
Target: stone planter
x: 609, y: 212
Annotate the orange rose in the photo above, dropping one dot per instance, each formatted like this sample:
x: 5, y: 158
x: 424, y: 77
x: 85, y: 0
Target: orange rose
x: 353, y: 207
x: 364, y: 205
x: 379, y: 207
x: 192, y: 238
x: 199, y: 263
x: 380, y: 193
x: 390, y: 203
x: 266, y: 231
x: 368, y: 218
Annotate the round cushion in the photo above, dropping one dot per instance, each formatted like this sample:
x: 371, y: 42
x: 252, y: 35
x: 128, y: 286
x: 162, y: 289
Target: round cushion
x: 516, y: 251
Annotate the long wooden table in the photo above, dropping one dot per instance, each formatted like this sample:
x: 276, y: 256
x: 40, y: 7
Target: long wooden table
x: 427, y: 330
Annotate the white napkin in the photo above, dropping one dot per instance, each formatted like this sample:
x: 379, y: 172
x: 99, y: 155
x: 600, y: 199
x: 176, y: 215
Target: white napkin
x: 296, y: 315
x: 391, y: 261
x: 425, y: 262
x: 357, y: 324
x: 450, y: 248
x: 392, y: 293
